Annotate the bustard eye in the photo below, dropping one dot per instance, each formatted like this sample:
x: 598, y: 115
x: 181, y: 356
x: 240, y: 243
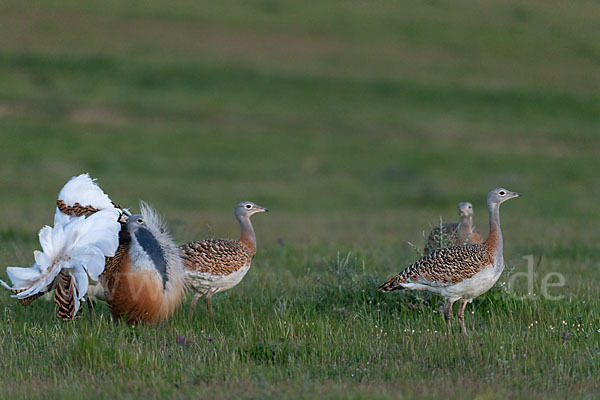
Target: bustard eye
x: 469, y: 207
x: 140, y: 221
x: 502, y: 193
x: 248, y: 205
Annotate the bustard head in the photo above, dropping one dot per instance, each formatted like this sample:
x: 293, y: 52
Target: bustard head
x: 465, y: 209
x: 135, y: 222
x: 247, y: 208
x: 500, y: 195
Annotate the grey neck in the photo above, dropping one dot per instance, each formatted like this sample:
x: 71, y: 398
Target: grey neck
x: 466, y: 222
x: 495, y: 237
x: 248, y: 237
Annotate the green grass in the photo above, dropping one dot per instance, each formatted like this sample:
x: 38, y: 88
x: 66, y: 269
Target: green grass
x: 358, y: 127
x: 280, y: 334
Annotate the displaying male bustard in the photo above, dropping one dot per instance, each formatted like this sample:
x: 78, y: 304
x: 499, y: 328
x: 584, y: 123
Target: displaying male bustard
x: 144, y: 277
x: 457, y: 233
x: 459, y: 273
x: 215, y: 265
x: 144, y: 281
x: 86, y: 230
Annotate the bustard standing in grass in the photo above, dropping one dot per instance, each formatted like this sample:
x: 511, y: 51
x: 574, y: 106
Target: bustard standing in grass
x: 94, y: 240
x: 457, y: 233
x: 86, y: 230
x: 144, y: 281
x: 215, y: 265
x: 459, y: 273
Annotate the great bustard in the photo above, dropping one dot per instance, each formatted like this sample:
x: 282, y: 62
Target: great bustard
x: 144, y: 282
x: 93, y: 241
x: 459, y: 273
x: 215, y: 265
x: 457, y: 233
x: 86, y: 230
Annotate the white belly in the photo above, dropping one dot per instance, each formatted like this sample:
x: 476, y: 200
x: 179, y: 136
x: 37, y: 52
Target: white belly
x: 469, y: 288
x: 474, y: 286
x: 204, y: 282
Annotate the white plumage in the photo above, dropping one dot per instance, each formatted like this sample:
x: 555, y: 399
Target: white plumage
x: 76, y: 245
x: 83, y: 190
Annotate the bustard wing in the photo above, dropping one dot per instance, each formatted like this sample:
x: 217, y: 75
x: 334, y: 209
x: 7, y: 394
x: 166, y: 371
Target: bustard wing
x: 113, y: 265
x: 443, y: 267
x: 213, y: 259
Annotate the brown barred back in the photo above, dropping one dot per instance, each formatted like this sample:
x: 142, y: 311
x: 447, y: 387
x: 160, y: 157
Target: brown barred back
x: 76, y: 210
x: 215, y: 256
x: 445, y: 266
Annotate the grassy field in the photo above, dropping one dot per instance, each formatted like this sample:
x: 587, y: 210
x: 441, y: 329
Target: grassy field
x: 358, y: 125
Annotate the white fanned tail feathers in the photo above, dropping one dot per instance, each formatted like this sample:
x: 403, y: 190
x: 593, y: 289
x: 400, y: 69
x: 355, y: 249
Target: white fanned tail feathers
x: 86, y: 230
x: 81, y: 196
x: 83, y: 190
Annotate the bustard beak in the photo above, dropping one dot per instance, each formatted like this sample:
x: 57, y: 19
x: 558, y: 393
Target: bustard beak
x: 260, y: 209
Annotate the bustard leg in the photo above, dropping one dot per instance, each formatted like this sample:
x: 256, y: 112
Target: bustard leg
x: 208, y: 297
x: 195, y: 300
x: 448, y: 313
x: 91, y: 308
x: 461, y: 316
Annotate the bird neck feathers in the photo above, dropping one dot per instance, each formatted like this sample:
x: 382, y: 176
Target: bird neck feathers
x: 494, y: 240
x: 466, y: 223
x: 248, y: 237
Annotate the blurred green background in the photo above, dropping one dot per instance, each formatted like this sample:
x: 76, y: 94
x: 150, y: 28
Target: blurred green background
x: 358, y: 124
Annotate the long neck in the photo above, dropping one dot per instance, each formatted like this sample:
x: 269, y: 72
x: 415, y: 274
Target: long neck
x: 494, y: 240
x: 248, y: 237
x: 466, y: 223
